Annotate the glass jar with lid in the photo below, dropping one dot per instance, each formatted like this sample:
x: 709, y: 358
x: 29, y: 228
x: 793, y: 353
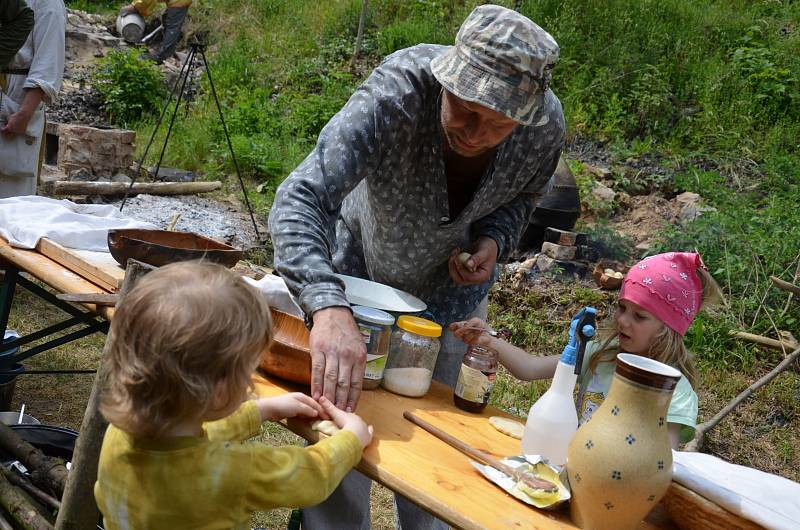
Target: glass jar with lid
x: 476, y: 379
x: 412, y: 356
x: 376, y: 330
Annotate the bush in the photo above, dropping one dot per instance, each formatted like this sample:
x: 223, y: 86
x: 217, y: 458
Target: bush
x: 129, y: 87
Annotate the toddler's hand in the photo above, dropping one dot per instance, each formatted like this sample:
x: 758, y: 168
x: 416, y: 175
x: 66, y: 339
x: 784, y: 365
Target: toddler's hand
x: 348, y: 421
x: 289, y: 406
x: 472, y: 332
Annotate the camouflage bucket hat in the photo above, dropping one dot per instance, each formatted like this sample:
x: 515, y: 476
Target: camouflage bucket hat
x: 501, y: 60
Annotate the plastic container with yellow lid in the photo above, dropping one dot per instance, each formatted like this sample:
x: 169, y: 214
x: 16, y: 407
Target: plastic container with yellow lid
x: 412, y: 356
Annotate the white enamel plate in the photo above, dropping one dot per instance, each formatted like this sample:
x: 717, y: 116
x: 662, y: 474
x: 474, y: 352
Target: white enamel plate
x: 373, y: 294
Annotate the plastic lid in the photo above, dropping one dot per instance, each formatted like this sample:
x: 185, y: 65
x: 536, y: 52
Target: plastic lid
x: 372, y: 315
x: 420, y: 326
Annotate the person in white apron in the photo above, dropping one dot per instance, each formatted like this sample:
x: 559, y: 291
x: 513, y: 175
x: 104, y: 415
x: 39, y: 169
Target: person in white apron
x: 33, y: 79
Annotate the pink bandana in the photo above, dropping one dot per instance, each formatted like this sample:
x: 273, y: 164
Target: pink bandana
x: 666, y: 285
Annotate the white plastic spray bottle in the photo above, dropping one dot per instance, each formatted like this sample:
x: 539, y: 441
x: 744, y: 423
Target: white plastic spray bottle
x: 553, y: 419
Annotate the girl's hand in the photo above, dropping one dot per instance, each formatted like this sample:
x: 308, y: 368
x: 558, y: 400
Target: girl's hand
x: 289, y: 406
x: 472, y: 332
x: 348, y: 421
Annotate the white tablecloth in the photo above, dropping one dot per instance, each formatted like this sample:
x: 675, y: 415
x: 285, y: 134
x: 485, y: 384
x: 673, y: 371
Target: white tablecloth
x: 25, y: 220
x: 768, y: 500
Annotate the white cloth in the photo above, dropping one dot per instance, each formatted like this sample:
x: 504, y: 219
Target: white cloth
x: 42, y: 53
x: 768, y: 500
x: 43, y: 56
x: 277, y: 294
x: 25, y: 220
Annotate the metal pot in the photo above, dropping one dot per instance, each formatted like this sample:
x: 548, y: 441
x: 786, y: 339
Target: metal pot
x: 130, y: 26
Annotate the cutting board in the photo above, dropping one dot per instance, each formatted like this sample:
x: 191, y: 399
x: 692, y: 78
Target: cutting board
x: 97, y: 267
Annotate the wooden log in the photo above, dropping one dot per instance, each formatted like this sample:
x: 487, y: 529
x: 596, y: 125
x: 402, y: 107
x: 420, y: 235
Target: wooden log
x: 23, y: 482
x: 764, y: 341
x: 68, y: 187
x: 78, y: 509
x: 45, y: 470
x: 19, y: 509
x: 786, y: 286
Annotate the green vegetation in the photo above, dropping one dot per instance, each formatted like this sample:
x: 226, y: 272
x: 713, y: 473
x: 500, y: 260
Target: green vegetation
x: 710, y: 89
x: 129, y: 87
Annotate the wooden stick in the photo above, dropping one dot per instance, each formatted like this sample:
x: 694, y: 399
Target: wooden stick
x: 78, y: 510
x: 23, y: 482
x: 477, y: 454
x: 4, y: 524
x: 765, y: 341
x: 45, y: 470
x: 697, y: 442
x: 68, y: 187
x: 360, y: 33
x: 19, y: 509
x: 786, y: 286
x: 173, y: 222
x: 89, y: 298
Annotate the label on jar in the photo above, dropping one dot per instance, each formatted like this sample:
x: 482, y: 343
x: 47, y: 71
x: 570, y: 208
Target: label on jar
x: 375, y: 366
x: 474, y: 385
x: 375, y: 362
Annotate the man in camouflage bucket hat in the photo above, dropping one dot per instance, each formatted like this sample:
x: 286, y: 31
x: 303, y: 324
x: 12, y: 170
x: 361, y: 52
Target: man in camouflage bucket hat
x: 501, y: 60
x: 441, y: 149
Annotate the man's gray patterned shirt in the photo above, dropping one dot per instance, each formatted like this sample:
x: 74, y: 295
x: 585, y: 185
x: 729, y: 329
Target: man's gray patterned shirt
x: 371, y: 199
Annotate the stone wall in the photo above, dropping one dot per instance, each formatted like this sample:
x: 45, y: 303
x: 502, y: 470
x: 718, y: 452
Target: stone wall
x: 103, y: 152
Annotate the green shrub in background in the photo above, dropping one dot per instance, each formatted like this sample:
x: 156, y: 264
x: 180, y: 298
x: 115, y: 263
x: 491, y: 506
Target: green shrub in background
x: 131, y: 89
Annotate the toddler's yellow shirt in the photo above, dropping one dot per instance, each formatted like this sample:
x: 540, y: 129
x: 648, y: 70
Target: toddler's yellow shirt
x: 216, y: 481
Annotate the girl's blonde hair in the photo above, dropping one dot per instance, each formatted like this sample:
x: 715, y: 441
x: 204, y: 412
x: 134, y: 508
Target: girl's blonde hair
x: 668, y: 346
x: 185, y: 332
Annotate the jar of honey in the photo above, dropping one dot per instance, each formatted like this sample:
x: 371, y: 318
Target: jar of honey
x: 476, y: 379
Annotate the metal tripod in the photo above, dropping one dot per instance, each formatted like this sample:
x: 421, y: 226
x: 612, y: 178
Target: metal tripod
x: 186, y: 70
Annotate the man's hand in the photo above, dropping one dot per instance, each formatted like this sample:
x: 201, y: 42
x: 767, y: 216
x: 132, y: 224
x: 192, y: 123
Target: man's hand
x: 478, y: 267
x: 289, y: 406
x: 127, y: 10
x: 338, y: 357
x: 17, y: 123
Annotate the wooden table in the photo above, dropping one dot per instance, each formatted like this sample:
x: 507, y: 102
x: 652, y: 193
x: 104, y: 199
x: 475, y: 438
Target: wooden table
x: 15, y: 261
x: 53, y: 274
x: 440, y: 479
x: 402, y: 456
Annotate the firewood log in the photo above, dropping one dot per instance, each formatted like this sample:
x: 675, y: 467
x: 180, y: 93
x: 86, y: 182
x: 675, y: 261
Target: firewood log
x: 19, y: 508
x: 46, y: 471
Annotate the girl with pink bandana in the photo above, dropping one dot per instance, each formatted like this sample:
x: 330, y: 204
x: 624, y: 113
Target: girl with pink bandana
x: 658, y: 301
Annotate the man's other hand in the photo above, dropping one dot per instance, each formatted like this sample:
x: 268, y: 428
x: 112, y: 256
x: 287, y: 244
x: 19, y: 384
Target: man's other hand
x: 17, y: 124
x: 338, y: 357
x: 478, y: 267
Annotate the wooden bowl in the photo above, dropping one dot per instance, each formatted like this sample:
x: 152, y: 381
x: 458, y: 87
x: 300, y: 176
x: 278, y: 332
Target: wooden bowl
x: 603, y: 280
x: 289, y: 355
x: 160, y: 247
x: 691, y: 511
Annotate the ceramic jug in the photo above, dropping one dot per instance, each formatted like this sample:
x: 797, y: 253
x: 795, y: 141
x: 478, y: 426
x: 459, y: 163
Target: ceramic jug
x: 620, y: 462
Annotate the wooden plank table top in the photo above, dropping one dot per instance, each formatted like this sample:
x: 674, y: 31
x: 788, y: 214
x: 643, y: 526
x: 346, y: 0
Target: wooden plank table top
x: 53, y: 274
x: 99, y: 268
x: 414, y: 463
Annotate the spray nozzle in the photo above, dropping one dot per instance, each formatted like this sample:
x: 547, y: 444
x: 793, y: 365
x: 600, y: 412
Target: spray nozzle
x: 581, y: 330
